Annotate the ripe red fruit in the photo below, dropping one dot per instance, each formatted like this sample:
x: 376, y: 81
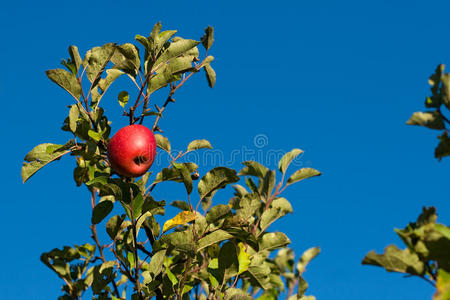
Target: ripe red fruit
x: 132, y: 150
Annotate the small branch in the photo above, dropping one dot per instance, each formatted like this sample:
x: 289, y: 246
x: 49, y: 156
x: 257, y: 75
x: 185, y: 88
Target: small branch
x: 136, y: 258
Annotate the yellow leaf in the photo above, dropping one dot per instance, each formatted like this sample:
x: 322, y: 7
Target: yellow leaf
x: 180, y: 219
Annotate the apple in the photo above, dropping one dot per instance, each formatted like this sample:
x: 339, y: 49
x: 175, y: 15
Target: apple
x: 132, y: 150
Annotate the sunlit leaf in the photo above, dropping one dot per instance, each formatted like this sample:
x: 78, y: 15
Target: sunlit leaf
x: 39, y: 157
x: 286, y: 160
x: 198, y: 144
x: 66, y: 80
x: 216, y: 178
x: 163, y: 142
x: 301, y: 174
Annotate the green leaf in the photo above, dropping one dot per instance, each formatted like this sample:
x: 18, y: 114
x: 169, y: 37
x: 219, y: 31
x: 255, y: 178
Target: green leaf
x: 213, y: 238
x: 175, y: 49
x: 260, y: 271
x: 430, y: 119
x: 185, y: 175
x: 442, y: 286
x: 156, y: 263
x: 126, y: 58
x: 253, y: 168
x: 101, y: 210
x: 443, y: 149
x: 210, y: 75
x: 114, y: 226
x: 163, y: 143
x: 215, y: 179
x: 286, y: 160
x: 217, y: 212
x: 236, y: 294
x: 111, y: 76
x: 181, y: 218
x: 273, y: 240
x: 306, y: 257
x: 123, y: 98
x: 160, y: 80
x: 268, y: 184
x: 173, y: 174
x: 95, y: 135
x: 302, y: 286
x: 301, y: 174
x: 279, y: 208
x: 228, y: 260
x: 38, y: 157
x: 96, y: 60
x: 180, y: 240
x: 66, y: 80
x: 208, y: 38
x: 74, y: 113
x: 75, y: 56
x: 198, y: 144
x: 183, y: 205
x: 396, y: 260
x: 209, y: 59
x: 243, y: 258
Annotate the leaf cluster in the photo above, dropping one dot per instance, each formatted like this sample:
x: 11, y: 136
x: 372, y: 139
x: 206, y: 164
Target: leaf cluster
x: 426, y: 253
x: 434, y: 118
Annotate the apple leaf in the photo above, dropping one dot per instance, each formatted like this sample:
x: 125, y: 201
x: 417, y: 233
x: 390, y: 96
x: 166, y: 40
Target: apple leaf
x: 66, y: 80
x: 208, y: 38
x: 123, y: 98
x: 273, y: 240
x: 429, y: 119
x: 306, y: 257
x: 185, y: 175
x: 74, y: 113
x: 198, y: 144
x: 213, y: 238
x: 443, y: 149
x: 236, y: 294
x: 175, y: 49
x: 286, y: 160
x: 111, y: 75
x: 126, y: 58
x: 75, y: 56
x: 395, y: 260
x: 101, y: 210
x: 114, y: 226
x: 39, y: 157
x: 210, y: 75
x: 162, y: 142
x: 244, y: 258
x: 215, y: 179
x: 301, y: 174
x: 253, y: 168
x: 156, y: 263
x: 180, y: 219
x: 96, y: 60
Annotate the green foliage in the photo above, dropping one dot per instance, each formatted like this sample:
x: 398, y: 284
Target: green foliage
x: 426, y: 253
x: 436, y: 119
x: 226, y: 249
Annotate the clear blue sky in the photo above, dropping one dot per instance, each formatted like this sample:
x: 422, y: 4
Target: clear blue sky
x: 337, y: 79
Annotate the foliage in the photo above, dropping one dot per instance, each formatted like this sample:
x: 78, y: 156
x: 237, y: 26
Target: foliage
x: 434, y: 118
x: 426, y: 254
x: 225, y: 251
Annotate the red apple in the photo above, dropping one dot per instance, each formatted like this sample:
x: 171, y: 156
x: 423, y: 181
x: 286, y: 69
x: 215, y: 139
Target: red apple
x: 132, y: 150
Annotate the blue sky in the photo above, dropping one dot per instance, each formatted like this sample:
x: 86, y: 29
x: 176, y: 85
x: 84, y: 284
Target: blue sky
x: 337, y: 79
